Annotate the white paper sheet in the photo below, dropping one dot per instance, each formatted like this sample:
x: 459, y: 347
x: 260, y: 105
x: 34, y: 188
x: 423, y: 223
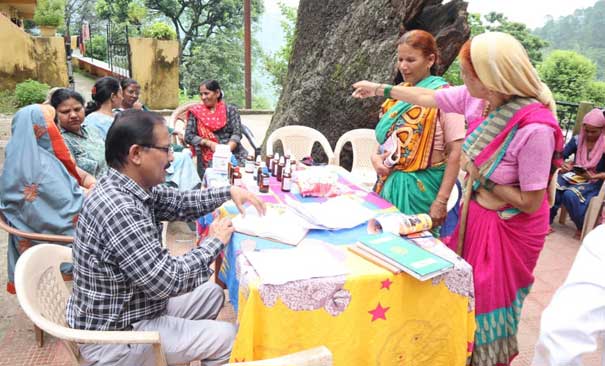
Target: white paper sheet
x: 310, y: 259
x: 341, y: 212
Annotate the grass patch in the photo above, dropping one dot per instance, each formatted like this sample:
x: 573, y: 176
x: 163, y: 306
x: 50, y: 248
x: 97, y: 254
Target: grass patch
x: 8, y: 102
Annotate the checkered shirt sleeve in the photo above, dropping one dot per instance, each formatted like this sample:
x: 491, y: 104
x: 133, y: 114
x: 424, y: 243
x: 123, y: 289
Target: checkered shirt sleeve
x: 122, y: 274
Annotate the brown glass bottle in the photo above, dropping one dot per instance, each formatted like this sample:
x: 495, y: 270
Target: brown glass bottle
x: 286, y: 179
x: 236, y: 177
x: 280, y: 168
x: 263, y: 186
x: 249, y: 166
x: 274, y: 164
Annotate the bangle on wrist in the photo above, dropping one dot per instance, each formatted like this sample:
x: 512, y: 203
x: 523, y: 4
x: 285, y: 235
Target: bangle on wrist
x: 387, y: 91
x: 376, y: 89
x: 443, y: 202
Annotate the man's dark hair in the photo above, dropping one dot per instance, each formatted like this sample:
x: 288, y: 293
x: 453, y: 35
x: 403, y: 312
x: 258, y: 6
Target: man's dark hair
x: 130, y: 127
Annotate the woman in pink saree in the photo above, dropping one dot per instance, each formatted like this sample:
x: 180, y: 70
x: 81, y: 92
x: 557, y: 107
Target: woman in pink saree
x: 513, y: 143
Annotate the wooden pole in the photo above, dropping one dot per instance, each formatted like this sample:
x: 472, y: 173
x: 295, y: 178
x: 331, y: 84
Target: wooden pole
x: 247, y: 55
x: 583, y: 108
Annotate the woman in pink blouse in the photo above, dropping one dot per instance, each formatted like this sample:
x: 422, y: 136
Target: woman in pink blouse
x: 513, y: 141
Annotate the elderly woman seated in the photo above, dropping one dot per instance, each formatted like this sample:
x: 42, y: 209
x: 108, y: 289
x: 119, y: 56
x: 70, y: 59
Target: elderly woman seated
x: 42, y: 188
x: 582, y: 178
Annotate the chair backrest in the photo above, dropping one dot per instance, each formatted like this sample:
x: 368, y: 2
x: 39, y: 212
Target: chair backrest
x: 41, y: 291
x: 364, y: 144
x: 318, y: 356
x: 299, y: 140
x: 179, y: 114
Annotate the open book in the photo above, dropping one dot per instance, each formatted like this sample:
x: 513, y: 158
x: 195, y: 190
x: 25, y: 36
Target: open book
x: 336, y: 213
x: 279, y: 224
x: 399, y: 254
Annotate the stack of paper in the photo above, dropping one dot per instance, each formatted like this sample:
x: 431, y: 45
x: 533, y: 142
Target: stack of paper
x: 308, y: 260
x: 279, y: 223
x: 342, y: 212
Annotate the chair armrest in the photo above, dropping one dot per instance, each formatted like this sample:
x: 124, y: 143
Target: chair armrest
x: 315, y: 356
x: 34, y: 236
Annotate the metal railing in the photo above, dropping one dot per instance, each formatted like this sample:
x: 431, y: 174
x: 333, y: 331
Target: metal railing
x: 566, y: 114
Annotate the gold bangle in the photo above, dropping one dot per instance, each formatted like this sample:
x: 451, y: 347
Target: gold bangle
x: 440, y: 201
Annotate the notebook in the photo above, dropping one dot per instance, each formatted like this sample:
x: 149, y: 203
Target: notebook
x: 401, y: 253
x: 279, y: 224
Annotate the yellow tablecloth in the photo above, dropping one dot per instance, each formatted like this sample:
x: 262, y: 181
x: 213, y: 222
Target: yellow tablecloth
x: 368, y: 317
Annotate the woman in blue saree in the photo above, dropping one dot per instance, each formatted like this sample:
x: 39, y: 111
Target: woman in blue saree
x: 576, y: 186
x: 40, y: 183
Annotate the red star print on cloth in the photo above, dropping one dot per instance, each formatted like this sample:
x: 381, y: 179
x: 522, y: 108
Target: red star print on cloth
x: 379, y: 312
x: 386, y: 284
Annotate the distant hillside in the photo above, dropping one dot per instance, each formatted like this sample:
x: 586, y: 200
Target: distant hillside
x: 581, y: 32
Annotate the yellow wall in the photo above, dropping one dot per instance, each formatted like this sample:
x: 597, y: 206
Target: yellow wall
x: 155, y: 65
x: 24, y: 57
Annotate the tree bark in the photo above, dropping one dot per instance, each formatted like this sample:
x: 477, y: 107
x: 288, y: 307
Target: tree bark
x: 340, y: 42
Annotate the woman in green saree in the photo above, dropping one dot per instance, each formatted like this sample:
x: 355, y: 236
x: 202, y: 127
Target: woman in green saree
x: 422, y: 144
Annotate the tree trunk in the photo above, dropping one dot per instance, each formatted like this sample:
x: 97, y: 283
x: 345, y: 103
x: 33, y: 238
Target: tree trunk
x: 340, y: 42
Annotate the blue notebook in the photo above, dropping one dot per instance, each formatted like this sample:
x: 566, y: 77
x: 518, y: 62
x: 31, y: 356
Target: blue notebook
x: 403, y: 254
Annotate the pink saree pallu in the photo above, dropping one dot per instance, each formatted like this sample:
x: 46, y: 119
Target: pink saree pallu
x: 503, y: 251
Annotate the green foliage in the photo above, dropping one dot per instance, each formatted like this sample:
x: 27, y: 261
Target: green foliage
x: 159, y: 30
x: 121, y: 11
x: 97, y: 47
x: 595, y: 93
x: 568, y: 74
x: 184, y: 98
x: 8, y: 102
x: 580, y: 32
x: 30, y: 92
x: 277, y: 64
x: 220, y: 57
x: 198, y: 21
x: 497, y: 22
x: 49, y: 13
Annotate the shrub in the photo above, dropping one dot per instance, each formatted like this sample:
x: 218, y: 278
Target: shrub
x: 8, y: 102
x: 97, y: 47
x: 595, y: 93
x: 49, y: 13
x: 30, y: 92
x: 159, y: 30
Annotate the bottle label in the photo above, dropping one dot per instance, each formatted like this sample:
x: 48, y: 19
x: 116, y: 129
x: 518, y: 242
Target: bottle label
x: 266, y: 181
x: 249, y: 166
x: 286, y: 184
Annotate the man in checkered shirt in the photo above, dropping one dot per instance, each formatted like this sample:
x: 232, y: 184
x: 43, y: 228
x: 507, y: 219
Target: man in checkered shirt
x: 124, y: 279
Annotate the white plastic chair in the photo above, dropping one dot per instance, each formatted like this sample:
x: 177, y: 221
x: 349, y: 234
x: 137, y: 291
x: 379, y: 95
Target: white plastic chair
x: 593, y: 212
x: 42, y: 294
x: 364, y: 144
x: 318, y: 356
x: 299, y: 140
